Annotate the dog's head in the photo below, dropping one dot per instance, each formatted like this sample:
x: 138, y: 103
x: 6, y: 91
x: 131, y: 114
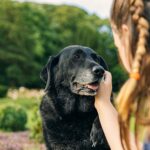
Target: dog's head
x: 77, y: 68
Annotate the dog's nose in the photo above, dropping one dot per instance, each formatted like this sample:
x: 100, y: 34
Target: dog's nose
x: 98, y: 70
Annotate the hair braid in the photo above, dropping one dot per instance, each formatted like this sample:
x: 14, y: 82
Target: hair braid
x: 124, y: 98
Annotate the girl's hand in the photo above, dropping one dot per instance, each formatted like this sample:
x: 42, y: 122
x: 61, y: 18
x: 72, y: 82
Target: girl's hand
x: 104, y: 91
x: 107, y: 113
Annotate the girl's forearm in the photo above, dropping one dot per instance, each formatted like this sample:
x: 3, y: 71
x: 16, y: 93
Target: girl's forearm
x: 109, y: 121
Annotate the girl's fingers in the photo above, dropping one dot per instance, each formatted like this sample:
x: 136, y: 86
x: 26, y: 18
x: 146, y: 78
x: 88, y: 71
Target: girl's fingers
x: 107, y: 77
x: 105, y: 89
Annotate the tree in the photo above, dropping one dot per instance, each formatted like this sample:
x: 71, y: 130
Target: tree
x: 31, y: 32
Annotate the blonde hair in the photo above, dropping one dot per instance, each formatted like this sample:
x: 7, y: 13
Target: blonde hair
x: 133, y: 94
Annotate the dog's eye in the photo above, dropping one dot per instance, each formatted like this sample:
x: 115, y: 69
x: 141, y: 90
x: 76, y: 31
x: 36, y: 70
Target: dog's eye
x: 95, y: 58
x: 76, y: 56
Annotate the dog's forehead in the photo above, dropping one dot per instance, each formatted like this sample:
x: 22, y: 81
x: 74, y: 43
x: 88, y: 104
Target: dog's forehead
x: 68, y: 51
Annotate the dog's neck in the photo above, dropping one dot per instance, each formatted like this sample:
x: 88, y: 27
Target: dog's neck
x: 69, y: 103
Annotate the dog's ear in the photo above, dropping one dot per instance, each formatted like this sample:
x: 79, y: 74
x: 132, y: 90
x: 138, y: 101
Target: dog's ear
x: 46, y: 73
x: 103, y: 63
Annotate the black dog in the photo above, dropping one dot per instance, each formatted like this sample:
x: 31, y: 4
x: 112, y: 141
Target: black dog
x: 69, y: 118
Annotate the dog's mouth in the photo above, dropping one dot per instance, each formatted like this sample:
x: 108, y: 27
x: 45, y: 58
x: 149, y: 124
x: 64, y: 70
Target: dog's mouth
x: 93, y: 86
x: 86, y: 88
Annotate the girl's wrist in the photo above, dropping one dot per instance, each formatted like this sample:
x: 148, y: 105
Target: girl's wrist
x: 100, y: 103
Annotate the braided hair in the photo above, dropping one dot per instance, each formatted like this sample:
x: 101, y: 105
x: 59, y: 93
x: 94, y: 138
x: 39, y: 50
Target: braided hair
x: 134, y: 93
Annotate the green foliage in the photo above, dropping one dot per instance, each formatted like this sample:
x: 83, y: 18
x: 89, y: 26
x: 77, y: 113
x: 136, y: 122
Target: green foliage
x: 32, y: 32
x: 35, y: 124
x: 3, y: 90
x: 25, y: 103
x: 12, y: 118
x: 31, y: 107
x: 119, y: 76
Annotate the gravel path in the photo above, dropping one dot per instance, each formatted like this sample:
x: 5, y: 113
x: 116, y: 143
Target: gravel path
x: 18, y: 141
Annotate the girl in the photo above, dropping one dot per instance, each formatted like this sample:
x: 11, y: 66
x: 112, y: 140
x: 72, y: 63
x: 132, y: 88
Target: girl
x: 130, y: 21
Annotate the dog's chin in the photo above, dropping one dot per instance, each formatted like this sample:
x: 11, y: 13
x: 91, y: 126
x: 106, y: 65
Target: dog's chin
x: 89, y: 89
x: 87, y: 93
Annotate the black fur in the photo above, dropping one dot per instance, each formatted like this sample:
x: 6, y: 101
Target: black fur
x: 69, y: 118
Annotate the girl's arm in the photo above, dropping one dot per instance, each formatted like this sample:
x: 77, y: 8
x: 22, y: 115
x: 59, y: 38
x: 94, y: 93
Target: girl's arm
x: 107, y: 114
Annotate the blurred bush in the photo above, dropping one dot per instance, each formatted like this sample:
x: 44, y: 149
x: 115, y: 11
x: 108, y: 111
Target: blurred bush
x: 13, y: 118
x: 3, y: 90
x: 25, y: 93
x: 119, y: 76
x: 35, y: 125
